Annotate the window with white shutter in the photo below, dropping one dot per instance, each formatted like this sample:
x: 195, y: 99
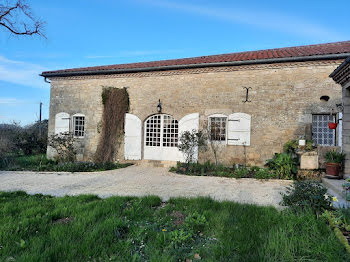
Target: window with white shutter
x: 62, y: 123
x: 238, y: 129
x: 78, y: 125
x: 217, y: 128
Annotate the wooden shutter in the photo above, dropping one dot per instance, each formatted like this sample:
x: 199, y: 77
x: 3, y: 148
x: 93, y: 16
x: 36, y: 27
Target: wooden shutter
x: 62, y: 121
x: 188, y: 123
x: 132, y: 137
x: 238, y: 129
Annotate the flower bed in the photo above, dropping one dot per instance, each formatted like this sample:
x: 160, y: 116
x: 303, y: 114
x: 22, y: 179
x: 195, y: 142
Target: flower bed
x: 210, y: 169
x: 41, y: 163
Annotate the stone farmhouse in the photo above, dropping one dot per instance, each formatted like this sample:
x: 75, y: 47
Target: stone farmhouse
x: 256, y: 101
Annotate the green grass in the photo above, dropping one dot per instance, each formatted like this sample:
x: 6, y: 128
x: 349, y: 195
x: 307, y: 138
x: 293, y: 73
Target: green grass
x: 41, y: 163
x: 36, y: 228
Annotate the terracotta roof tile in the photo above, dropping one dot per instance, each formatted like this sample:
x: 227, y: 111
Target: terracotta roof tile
x: 298, y: 51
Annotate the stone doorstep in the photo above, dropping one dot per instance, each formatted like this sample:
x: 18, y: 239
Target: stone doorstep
x: 155, y: 163
x: 335, y: 188
x: 335, y: 185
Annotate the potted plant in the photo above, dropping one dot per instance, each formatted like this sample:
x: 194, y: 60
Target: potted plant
x: 334, y: 161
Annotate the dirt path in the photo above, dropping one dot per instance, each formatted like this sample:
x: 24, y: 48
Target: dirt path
x: 141, y: 181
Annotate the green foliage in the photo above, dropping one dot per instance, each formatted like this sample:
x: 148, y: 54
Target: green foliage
x: 338, y: 220
x: 189, y: 141
x: 180, y: 237
x: 27, y: 140
x: 263, y: 173
x: 41, y: 163
x: 309, y: 146
x: 290, y: 147
x: 307, y: 195
x: 334, y: 157
x: 196, y: 222
x: 240, y: 172
x: 88, y: 228
x: 211, y: 169
x: 283, y: 165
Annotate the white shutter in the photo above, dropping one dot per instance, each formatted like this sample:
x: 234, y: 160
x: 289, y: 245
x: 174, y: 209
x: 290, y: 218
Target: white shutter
x: 238, y: 129
x: 62, y: 121
x: 188, y: 123
x: 132, y: 138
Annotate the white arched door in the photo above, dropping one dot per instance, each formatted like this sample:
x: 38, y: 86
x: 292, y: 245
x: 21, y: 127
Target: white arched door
x: 161, y: 134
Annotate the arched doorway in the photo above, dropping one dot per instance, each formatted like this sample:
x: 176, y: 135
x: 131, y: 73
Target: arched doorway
x: 161, y: 133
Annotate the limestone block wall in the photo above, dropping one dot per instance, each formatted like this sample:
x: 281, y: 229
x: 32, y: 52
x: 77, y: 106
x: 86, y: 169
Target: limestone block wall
x: 283, y: 99
x: 346, y: 126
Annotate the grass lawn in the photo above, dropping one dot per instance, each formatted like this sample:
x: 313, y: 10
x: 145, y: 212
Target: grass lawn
x: 86, y: 228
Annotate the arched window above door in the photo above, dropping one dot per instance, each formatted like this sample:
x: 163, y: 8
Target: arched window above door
x: 161, y: 130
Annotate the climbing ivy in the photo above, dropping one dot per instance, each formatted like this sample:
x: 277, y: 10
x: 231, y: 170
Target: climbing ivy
x: 115, y: 104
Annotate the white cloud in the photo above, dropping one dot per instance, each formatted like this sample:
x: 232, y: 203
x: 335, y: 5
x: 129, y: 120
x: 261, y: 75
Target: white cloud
x: 266, y: 20
x: 22, y: 73
x: 15, y: 101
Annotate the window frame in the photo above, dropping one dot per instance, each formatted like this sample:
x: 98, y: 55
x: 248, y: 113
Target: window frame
x: 73, y: 125
x: 224, y: 142
x: 166, y: 140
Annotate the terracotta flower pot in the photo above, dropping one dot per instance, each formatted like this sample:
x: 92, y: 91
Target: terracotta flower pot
x: 333, y: 169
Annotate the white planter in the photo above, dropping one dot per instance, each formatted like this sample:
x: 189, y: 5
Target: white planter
x: 302, y: 142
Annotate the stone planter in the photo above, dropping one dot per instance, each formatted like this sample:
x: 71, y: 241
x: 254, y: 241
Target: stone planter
x: 309, y: 160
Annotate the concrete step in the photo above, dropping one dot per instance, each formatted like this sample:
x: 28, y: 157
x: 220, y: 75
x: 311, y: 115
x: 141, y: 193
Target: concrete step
x: 335, y: 188
x: 156, y: 163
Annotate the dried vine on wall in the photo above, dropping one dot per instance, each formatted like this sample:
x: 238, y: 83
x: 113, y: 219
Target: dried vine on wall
x: 115, y: 105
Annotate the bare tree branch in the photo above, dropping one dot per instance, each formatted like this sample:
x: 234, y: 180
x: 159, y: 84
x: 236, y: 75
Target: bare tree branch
x: 17, y: 18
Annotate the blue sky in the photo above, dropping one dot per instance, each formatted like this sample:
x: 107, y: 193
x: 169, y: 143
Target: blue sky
x: 99, y: 32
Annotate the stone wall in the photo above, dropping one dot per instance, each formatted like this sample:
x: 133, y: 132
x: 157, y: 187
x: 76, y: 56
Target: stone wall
x: 283, y: 99
x: 346, y: 126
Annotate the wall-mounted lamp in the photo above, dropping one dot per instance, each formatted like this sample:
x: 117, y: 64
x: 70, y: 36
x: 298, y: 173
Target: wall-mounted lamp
x: 159, y: 107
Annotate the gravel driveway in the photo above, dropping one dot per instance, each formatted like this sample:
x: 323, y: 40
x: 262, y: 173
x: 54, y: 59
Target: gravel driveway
x: 142, y: 181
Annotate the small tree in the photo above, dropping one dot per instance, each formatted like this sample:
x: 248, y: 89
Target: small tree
x: 64, y: 145
x: 212, y: 132
x: 189, y: 142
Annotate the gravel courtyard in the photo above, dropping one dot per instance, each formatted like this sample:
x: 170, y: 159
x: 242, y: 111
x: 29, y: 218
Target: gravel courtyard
x: 142, y: 181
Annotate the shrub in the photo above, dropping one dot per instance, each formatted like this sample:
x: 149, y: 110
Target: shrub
x: 240, y: 172
x: 82, y: 166
x: 283, y: 165
x: 18, y: 140
x: 211, y: 169
x: 290, y: 147
x: 64, y: 145
x: 188, y: 143
x: 263, y: 173
x: 307, y: 194
x: 334, y: 157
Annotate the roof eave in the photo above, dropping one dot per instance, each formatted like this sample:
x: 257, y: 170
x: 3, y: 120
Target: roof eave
x: 189, y: 66
x: 340, y: 67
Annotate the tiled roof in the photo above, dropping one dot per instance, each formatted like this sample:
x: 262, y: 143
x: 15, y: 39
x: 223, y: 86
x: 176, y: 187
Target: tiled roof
x: 260, y: 55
